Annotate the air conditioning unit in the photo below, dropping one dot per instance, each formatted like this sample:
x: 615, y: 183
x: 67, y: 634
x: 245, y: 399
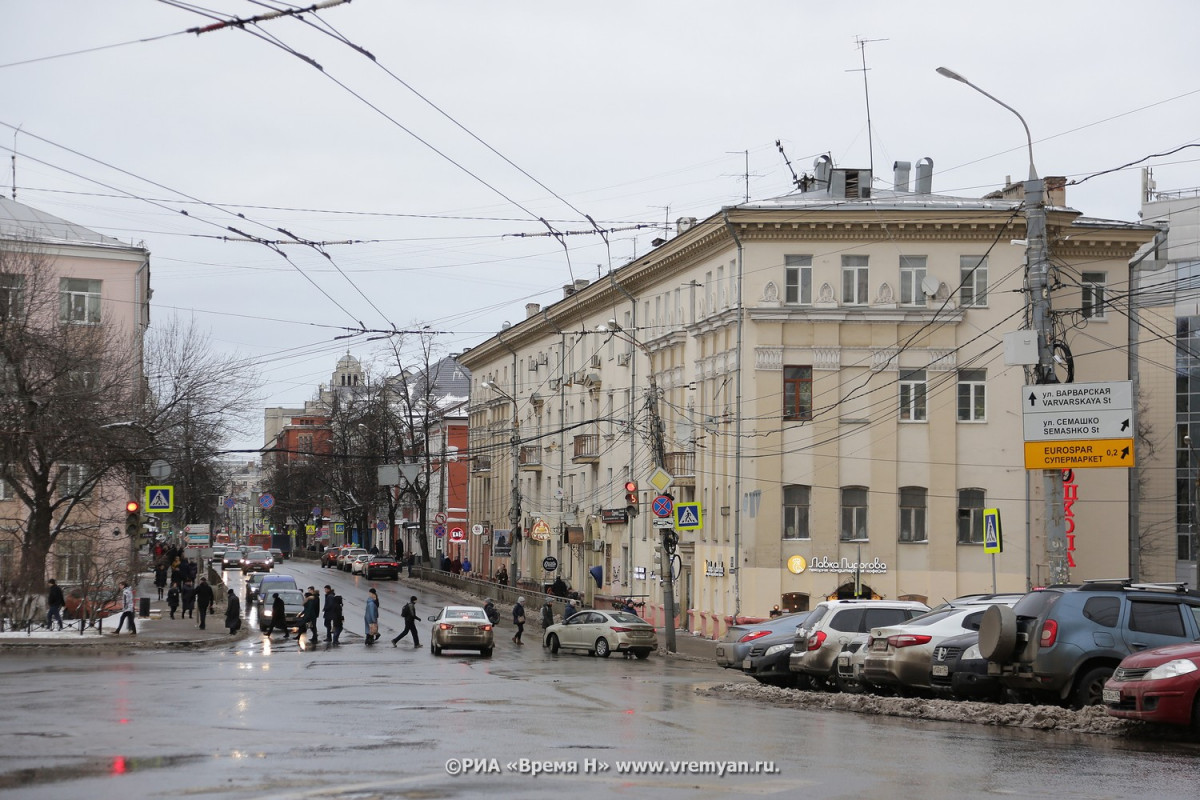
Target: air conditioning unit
x: 597, y: 545
x: 533, y: 365
x: 543, y: 359
x: 623, y: 359
x: 555, y: 383
x: 591, y: 380
x: 596, y: 361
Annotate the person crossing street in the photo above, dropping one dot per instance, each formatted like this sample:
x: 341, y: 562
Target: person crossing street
x: 409, y: 615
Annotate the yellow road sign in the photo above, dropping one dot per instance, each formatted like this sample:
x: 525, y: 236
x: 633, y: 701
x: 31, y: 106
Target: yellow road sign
x: 1079, y: 454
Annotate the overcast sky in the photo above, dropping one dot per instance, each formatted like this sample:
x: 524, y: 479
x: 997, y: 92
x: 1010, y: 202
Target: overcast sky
x: 630, y: 112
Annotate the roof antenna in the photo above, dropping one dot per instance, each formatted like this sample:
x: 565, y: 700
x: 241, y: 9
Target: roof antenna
x: 14, y: 163
x: 862, y: 46
x: 795, y: 178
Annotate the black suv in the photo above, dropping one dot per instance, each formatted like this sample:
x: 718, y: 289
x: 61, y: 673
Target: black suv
x: 1062, y: 643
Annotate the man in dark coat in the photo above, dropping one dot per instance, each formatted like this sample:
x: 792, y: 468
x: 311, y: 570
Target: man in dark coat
x: 409, y: 615
x: 233, y: 612
x: 54, y: 604
x: 204, y: 600
x: 559, y: 587
x: 187, y: 598
x: 332, y: 613
x: 278, y: 616
x: 312, y: 610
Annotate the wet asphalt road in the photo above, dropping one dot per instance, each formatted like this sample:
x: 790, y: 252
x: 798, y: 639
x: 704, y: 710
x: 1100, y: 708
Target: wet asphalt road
x: 285, y: 720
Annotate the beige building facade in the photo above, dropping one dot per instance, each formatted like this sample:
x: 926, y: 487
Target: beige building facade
x: 830, y: 373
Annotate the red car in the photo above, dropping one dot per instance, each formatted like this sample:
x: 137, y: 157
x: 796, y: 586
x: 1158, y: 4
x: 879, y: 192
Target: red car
x: 1157, y: 685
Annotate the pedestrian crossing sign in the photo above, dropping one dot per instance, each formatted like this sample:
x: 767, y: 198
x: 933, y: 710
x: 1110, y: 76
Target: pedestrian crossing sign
x: 993, y: 538
x: 688, y: 516
x: 159, y: 499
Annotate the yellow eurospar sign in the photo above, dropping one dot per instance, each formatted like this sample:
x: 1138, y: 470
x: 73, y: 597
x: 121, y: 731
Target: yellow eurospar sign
x: 1079, y: 454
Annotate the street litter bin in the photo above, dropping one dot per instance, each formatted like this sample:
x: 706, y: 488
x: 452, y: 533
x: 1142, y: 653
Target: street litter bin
x: 143, y: 606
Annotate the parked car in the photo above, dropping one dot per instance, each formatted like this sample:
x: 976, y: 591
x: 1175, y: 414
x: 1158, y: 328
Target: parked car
x: 346, y: 557
x: 359, y: 562
x: 293, y: 604
x: 257, y: 561
x: 276, y: 554
x: 900, y: 656
x: 329, y: 557
x: 261, y: 582
x: 1161, y: 684
x: 960, y: 669
x: 462, y: 628
x: 601, y: 632
x: 1062, y: 643
x: 232, y: 558
x: 815, y: 649
x: 382, y: 565
x: 760, y: 649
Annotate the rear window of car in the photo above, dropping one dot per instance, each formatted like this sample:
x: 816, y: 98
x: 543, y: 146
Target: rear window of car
x: 627, y: 619
x: 1152, y: 617
x: 882, y: 617
x: 1035, y: 604
x: 1103, y: 611
x: 847, y: 620
x: 929, y: 617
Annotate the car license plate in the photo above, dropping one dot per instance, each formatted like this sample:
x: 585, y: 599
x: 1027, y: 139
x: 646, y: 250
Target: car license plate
x: 940, y: 670
x: 1112, y: 696
x: 879, y: 645
x: 844, y: 659
x: 745, y: 663
x: 464, y: 630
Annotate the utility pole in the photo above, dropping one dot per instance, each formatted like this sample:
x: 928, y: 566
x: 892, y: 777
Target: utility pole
x: 1037, y: 274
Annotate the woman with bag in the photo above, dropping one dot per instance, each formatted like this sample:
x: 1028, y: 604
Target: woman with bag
x: 519, y: 619
x: 372, y: 617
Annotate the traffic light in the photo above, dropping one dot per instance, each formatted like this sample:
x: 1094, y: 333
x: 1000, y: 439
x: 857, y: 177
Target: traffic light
x: 133, y: 519
x: 631, y: 498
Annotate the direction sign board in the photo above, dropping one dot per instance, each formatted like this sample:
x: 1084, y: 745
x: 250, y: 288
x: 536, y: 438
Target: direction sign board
x: 1109, y: 423
x: 1079, y: 454
x: 159, y: 499
x: 662, y: 506
x: 1077, y: 396
x: 993, y: 539
x: 688, y: 516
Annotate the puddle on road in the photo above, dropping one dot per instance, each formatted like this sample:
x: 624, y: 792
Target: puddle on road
x: 89, y: 768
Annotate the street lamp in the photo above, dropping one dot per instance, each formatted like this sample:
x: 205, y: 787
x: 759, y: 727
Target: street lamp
x: 1037, y: 266
x: 668, y: 538
x: 514, y: 511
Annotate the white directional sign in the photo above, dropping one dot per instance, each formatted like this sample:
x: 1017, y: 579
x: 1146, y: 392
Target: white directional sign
x: 1093, y: 424
x: 1073, y: 425
x: 1077, y: 396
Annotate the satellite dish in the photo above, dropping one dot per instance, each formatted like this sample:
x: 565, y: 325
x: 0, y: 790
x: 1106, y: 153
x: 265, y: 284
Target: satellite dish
x: 929, y: 285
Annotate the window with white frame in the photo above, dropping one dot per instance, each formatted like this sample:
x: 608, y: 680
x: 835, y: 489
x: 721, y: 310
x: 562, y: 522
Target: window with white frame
x: 79, y: 301
x: 973, y: 280
x: 1093, y: 284
x: 71, y: 479
x: 912, y: 396
x: 912, y: 273
x: 797, y: 280
x: 795, y: 511
x: 912, y: 514
x: 12, y: 289
x: 972, y: 395
x: 72, y: 557
x: 5, y: 492
x: 855, y: 286
x: 854, y: 514
x: 970, y: 516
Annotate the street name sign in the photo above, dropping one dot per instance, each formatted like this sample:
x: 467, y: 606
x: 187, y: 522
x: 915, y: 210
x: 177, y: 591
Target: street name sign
x: 1078, y: 425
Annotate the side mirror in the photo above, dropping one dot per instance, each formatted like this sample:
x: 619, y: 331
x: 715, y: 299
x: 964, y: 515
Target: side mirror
x: 432, y: 619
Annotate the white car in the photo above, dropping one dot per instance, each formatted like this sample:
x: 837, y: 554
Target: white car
x: 359, y: 562
x: 602, y: 632
x: 347, y: 558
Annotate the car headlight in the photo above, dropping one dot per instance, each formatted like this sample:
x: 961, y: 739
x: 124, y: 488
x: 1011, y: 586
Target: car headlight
x: 266, y: 612
x: 972, y: 653
x: 778, y: 648
x: 1171, y: 669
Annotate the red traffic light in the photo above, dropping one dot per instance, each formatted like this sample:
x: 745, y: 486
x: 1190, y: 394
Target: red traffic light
x: 631, y: 486
x: 132, y: 507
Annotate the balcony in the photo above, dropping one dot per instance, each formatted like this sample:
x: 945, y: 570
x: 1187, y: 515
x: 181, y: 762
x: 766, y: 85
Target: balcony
x: 481, y: 464
x: 682, y: 467
x: 530, y: 458
x: 587, y: 449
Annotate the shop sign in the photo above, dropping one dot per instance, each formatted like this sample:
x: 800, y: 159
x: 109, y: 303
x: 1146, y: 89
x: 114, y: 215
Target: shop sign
x: 825, y: 564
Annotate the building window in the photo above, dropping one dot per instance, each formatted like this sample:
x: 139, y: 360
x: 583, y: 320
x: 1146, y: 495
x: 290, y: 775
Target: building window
x: 71, y: 480
x: 1093, y: 294
x: 5, y: 492
x: 912, y: 514
x: 970, y: 516
x: 912, y: 273
x: 72, y: 559
x: 80, y: 301
x: 854, y: 280
x: 912, y: 396
x: 797, y: 393
x: 854, y: 514
x: 797, y: 280
x: 11, y: 288
x: 795, y: 512
x: 972, y: 395
x: 973, y: 276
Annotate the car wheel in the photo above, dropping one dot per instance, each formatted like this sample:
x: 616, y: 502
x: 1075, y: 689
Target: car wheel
x: 1089, y: 690
x: 553, y: 642
x: 486, y: 652
x: 642, y: 654
x: 602, y: 648
x: 998, y: 634
x: 433, y: 648
x: 802, y: 681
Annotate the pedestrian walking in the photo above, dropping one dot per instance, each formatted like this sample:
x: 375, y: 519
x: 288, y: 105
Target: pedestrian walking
x: 493, y: 615
x: 547, y: 614
x: 278, y: 616
x: 54, y: 604
x: 466, y: 566
x: 173, y: 599
x: 519, y: 619
x: 333, y: 609
x: 412, y: 559
x: 502, y: 576
x: 371, y: 617
x: 233, y: 612
x: 187, y: 600
x: 126, y: 611
x: 312, y: 610
x: 409, y: 615
x: 204, y: 600
x: 160, y: 578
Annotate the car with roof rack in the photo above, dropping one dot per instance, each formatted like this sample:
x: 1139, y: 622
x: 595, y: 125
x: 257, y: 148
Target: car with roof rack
x: 1062, y: 643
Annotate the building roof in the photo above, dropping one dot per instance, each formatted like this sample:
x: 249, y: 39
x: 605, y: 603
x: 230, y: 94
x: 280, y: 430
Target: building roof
x: 880, y: 198
x: 19, y: 221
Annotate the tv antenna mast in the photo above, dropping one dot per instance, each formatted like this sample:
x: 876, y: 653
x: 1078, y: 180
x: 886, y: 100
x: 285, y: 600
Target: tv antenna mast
x: 862, y: 47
